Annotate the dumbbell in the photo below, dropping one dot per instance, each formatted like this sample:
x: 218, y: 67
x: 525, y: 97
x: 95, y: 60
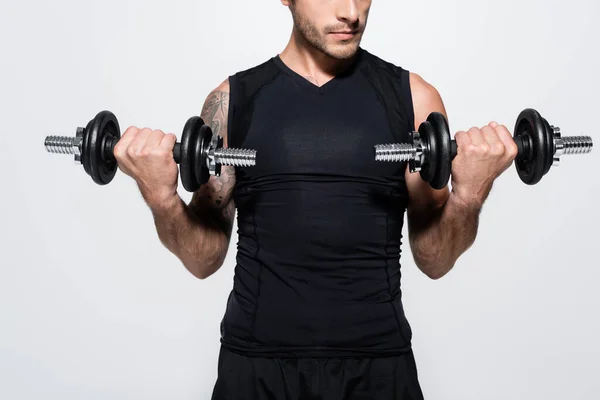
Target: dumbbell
x: 431, y: 150
x: 199, y: 154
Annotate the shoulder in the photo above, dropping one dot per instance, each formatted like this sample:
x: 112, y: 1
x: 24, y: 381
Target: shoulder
x: 266, y: 64
x: 420, y: 86
x: 244, y: 85
x: 381, y: 65
x: 421, y: 89
x: 251, y: 79
x: 223, y: 86
x: 426, y: 98
x: 220, y: 90
x: 425, y: 95
x: 216, y: 99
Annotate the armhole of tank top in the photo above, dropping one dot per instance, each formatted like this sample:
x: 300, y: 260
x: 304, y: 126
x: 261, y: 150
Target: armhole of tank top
x: 407, y: 98
x: 231, y: 110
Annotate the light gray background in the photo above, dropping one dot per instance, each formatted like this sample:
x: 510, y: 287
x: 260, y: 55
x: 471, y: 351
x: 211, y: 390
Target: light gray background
x: 93, y: 307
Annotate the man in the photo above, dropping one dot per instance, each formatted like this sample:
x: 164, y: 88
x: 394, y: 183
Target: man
x: 316, y: 310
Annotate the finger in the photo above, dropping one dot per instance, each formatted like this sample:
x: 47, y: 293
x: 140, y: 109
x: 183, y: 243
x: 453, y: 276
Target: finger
x: 509, y: 142
x: 462, y: 141
x: 476, y: 136
x: 153, y: 140
x: 503, y: 134
x: 125, y: 140
x: 168, y: 141
x: 490, y: 135
x: 493, y: 124
x: 131, y: 131
x: 497, y: 148
x: 136, y: 146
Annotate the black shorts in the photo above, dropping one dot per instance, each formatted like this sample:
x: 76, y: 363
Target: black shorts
x: 259, y: 378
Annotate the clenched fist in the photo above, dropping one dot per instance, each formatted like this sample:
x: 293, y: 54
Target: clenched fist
x: 482, y: 155
x: 146, y: 155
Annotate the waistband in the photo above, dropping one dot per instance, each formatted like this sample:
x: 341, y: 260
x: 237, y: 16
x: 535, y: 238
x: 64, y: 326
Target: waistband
x: 314, y: 352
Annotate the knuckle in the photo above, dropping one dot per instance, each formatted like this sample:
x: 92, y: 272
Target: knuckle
x: 471, y: 148
x: 498, y: 149
x: 491, y: 132
x: 132, y: 130
x: 118, y: 152
x: 158, y: 152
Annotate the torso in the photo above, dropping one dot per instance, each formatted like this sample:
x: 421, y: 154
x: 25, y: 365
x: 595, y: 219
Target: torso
x: 319, y: 221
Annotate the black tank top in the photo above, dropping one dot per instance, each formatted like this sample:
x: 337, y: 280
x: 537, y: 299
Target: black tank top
x: 319, y: 220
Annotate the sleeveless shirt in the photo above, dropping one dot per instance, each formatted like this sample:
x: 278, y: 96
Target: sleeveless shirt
x: 319, y: 221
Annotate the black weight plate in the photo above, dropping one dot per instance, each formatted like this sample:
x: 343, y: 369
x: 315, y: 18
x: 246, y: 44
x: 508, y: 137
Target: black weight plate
x: 204, y: 139
x: 549, y: 146
x: 428, y: 140
x: 444, y: 150
x: 98, y: 130
x: 531, y: 124
x: 189, y: 139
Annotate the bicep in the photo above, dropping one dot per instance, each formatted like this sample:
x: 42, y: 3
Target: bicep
x: 423, y: 199
x: 213, y: 202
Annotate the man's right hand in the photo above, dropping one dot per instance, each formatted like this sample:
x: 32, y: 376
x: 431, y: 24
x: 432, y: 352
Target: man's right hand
x: 146, y: 155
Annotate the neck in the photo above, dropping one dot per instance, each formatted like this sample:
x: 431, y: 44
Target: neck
x: 310, y: 62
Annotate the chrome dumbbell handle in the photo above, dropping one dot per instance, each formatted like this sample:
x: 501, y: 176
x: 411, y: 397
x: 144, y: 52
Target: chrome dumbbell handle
x: 223, y: 156
x: 403, y: 152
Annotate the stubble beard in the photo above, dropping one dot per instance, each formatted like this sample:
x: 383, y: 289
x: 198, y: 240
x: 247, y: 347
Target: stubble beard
x: 310, y: 33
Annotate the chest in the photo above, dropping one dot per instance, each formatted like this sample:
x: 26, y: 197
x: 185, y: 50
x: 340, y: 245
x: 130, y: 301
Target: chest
x: 312, y: 133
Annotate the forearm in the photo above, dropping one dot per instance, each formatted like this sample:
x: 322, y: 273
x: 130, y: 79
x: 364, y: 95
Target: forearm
x: 196, y: 243
x: 437, y: 242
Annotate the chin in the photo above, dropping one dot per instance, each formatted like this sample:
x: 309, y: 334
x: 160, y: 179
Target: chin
x: 342, y: 51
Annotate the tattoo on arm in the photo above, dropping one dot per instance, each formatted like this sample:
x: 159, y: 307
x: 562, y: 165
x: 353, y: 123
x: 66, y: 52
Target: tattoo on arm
x: 215, y: 111
x: 218, y: 190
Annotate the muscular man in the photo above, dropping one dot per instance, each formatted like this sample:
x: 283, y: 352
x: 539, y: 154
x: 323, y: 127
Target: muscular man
x: 316, y: 311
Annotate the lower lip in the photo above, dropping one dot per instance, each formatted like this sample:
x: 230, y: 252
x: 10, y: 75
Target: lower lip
x: 343, y: 36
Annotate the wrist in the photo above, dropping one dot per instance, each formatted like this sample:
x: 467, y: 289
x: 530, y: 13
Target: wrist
x: 466, y: 199
x: 164, y: 205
